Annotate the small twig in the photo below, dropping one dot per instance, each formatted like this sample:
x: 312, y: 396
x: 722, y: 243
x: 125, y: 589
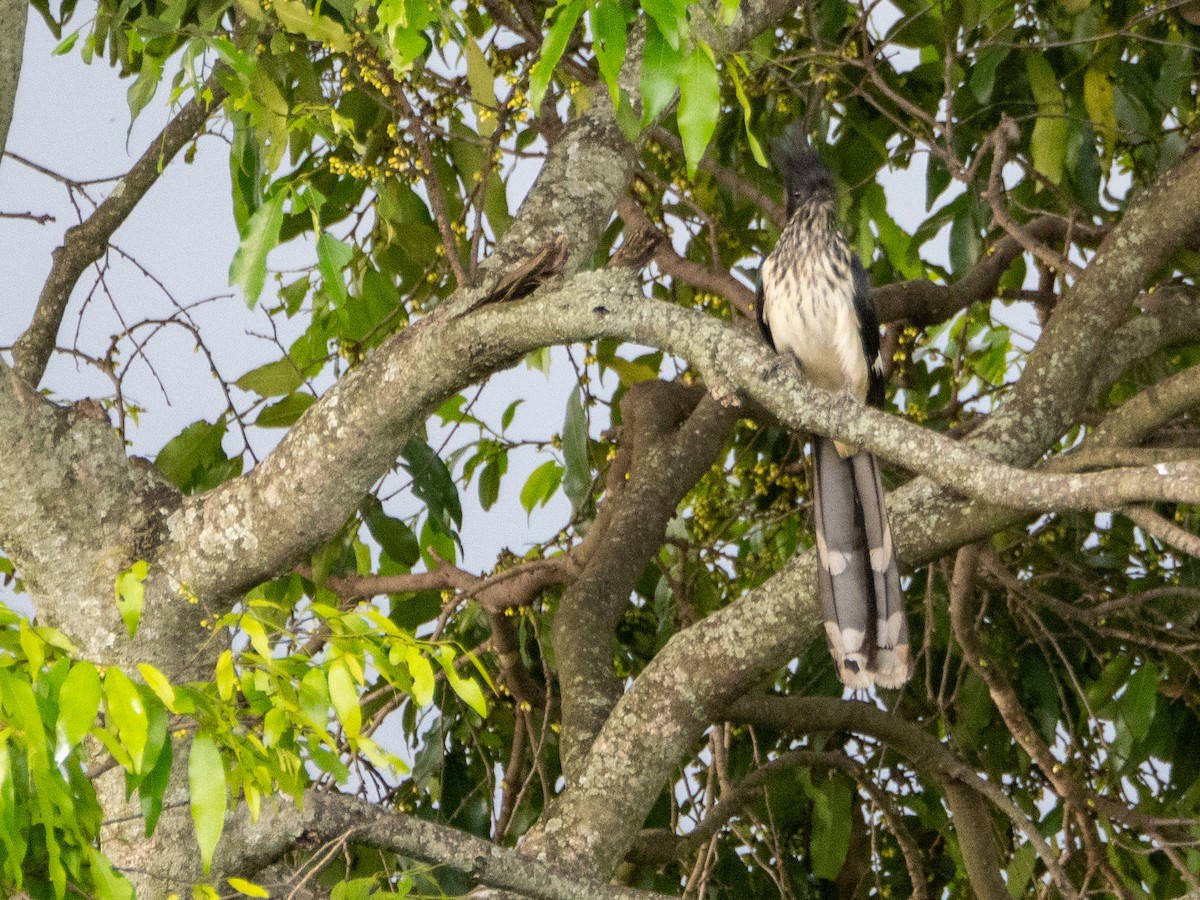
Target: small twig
x: 39, y: 218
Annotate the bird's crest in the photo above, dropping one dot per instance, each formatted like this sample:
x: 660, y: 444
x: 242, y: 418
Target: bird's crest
x: 805, y: 176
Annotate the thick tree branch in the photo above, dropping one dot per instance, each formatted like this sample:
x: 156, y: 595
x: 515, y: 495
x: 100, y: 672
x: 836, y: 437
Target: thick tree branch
x: 14, y: 14
x: 924, y: 302
x: 337, y: 818
x: 86, y: 242
x: 668, y: 442
x: 1150, y: 409
x: 1057, y: 378
x: 976, y: 839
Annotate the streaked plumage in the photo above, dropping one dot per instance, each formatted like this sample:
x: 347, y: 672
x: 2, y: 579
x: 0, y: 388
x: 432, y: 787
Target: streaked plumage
x: 814, y: 305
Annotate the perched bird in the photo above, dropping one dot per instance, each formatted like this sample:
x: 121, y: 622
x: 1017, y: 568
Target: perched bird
x: 814, y: 305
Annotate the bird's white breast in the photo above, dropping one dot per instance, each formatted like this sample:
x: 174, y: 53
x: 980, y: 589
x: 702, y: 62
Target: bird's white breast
x: 811, y: 314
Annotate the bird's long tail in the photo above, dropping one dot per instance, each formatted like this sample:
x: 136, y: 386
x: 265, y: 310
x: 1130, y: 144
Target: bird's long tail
x: 857, y: 578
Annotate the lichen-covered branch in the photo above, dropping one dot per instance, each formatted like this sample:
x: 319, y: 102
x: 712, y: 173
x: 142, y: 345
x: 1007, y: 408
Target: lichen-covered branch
x: 13, y: 13
x: 327, y: 818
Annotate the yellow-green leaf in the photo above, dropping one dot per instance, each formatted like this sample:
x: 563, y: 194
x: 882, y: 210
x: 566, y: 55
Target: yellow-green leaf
x: 158, y: 683
x: 125, y: 709
x: 295, y: 16
x: 206, y: 784
x: 344, y: 695
x: 467, y: 689
x: 34, y: 649
x: 130, y: 592
x: 226, y: 675
x: 1098, y: 98
x: 257, y: 635
x: 248, y: 888
x: 422, y: 675
x: 79, y: 702
x: 483, y: 86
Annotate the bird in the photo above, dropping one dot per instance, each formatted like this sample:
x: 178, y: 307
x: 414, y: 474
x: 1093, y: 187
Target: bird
x: 814, y: 307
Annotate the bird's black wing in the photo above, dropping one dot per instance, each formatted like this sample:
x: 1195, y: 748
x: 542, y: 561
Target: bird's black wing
x: 868, y: 321
x: 759, y: 310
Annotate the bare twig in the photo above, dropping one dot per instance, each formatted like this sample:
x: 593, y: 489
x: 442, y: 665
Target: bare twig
x: 86, y: 242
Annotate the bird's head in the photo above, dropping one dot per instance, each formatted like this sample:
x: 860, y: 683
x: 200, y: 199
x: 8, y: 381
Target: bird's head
x: 805, y: 176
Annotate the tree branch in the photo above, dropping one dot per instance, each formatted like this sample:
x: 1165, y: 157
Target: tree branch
x: 746, y: 790
x: 809, y: 715
x: 1057, y: 379
x: 327, y: 817
x: 86, y: 242
x: 923, y: 302
x: 14, y: 14
x: 668, y: 442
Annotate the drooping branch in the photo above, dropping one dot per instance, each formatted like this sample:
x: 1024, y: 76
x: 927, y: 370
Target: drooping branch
x: 86, y: 242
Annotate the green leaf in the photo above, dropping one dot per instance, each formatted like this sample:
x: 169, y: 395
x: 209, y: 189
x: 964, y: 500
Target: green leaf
x: 1137, y: 704
x: 125, y: 709
x: 553, y: 45
x: 577, y: 475
x: 670, y: 20
x: 261, y: 234
x: 276, y: 378
x: 141, y: 92
x: 344, y: 695
x: 489, y: 480
x: 130, y: 591
x: 333, y: 256
x: 662, y: 64
x: 830, y: 839
x: 395, y: 537
x: 483, y: 86
x: 153, y: 787
x: 983, y: 73
x: 422, y: 675
x: 286, y: 412
x: 631, y: 372
x: 609, y: 24
x: 206, y: 784
x: 67, y: 43
x: 468, y: 689
x: 356, y: 889
x: 743, y: 101
x: 432, y: 481
x: 699, y: 104
x: 110, y: 883
x: 506, y: 418
x: 79, y: 702
x: 541, y: 485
